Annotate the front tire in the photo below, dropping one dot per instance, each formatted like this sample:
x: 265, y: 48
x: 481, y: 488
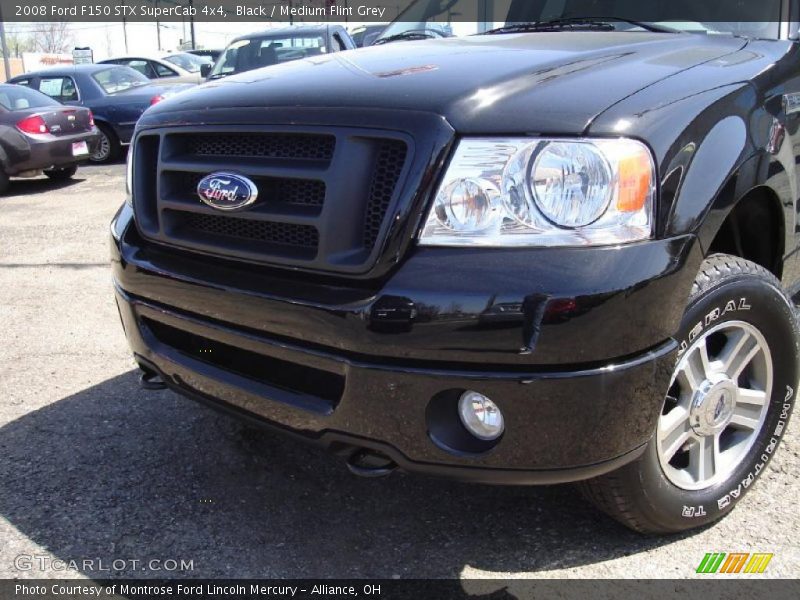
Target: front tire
x: 730, y: 399
x: 62, y: 174
x: 4, y: 182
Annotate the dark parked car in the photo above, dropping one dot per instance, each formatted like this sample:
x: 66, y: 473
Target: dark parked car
x: 276, y: 46
x: 408, y: 32
x: 37, y: 134
x: 364, y: 35
x: 116, y: 95
x: 574, y: 229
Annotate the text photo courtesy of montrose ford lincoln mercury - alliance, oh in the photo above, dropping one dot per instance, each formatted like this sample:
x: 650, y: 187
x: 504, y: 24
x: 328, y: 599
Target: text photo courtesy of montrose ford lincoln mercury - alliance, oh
x: 562, y: 250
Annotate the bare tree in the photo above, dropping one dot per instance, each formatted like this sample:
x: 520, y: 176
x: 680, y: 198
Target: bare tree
x: 18, y: 43
x: 52, y: 37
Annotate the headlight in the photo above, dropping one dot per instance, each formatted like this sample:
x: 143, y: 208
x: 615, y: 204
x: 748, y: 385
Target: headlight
x: 544, y: 192
x: 129, y: 177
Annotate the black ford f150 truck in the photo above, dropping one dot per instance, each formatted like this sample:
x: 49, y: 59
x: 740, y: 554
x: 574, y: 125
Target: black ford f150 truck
x: 548, y: 253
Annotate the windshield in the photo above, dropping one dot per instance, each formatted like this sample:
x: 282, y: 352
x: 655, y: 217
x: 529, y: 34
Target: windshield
x: 17, y: 97
x: 756, y: 18
x: 118, y: 79
x: 264, y: 51
x: 187, y: 62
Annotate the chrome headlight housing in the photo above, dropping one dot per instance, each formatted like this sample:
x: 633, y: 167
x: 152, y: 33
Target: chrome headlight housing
x: 544, y: 192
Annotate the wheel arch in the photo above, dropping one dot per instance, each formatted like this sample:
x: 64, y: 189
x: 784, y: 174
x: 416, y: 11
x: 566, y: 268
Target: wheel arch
x: 106, y: 123
x: 753, y: 228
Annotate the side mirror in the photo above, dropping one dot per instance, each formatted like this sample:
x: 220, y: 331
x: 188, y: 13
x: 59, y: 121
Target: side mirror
x: 205, y: 69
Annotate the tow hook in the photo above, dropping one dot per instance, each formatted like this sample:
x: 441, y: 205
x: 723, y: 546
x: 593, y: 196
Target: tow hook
x: 369, y: 463
x: 150, y: 380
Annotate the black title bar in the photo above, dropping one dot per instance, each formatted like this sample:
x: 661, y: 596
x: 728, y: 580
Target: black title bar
x: 379, y: 10
x: 393, y: 589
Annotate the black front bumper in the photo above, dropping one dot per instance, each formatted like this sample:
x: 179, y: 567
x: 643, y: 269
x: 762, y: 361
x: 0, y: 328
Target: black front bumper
x: 573, y: 345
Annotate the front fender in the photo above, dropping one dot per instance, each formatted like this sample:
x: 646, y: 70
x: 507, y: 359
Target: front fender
x: 715, y: 146
x: 699, y: 142
x: 712, y: 149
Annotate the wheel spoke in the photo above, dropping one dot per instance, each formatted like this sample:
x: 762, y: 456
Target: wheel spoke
x: 705, y: 362
x: 704, y: 458
x: 745, y: 418
x: 751, y: 397
x: 738, y: 352
x: 675, y: 432
x: 689, y: 375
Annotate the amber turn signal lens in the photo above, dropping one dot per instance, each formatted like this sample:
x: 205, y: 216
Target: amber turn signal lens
x: 635, y: 181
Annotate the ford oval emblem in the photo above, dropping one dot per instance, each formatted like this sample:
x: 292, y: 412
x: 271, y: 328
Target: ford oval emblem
x: 227, y: 191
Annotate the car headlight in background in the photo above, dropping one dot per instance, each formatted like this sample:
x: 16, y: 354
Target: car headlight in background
x: 544, y: 192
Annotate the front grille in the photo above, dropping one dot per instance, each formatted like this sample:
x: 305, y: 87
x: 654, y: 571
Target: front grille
x: 285, y: 234
x: 323, y: 196
x: 309, y: 147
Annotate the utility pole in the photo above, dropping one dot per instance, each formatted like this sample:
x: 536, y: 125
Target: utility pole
x: 5, y: 47
x: 125, y: 31
x: 158, y: 29
x: 191, y: 25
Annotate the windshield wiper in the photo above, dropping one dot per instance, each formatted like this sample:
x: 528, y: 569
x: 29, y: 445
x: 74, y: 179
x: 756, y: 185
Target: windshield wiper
x: 578, y: 23
x: 409, y: 34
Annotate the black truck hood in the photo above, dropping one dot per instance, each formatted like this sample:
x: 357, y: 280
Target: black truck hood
x: 532, y: 83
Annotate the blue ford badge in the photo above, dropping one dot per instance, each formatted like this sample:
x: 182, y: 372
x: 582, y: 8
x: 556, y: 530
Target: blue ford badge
x: 227, y: 191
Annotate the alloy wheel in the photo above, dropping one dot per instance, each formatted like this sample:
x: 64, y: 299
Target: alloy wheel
x: 103, y: 148
x: 716, y: 405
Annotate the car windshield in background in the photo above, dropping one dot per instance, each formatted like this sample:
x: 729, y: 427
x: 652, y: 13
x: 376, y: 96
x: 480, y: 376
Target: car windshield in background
x: 119, y: 79
x: 264, y: 51
x: 187, y: 62
x: 17, y: 97
x: 749, y: 19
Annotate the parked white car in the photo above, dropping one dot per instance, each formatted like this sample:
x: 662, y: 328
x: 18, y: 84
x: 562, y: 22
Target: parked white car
x: 177, y: 67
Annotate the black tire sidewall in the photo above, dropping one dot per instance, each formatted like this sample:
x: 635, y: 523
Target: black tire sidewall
x: 669, y: 507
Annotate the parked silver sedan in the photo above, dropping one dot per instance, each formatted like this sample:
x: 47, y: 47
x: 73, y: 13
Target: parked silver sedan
x: 176, y: 67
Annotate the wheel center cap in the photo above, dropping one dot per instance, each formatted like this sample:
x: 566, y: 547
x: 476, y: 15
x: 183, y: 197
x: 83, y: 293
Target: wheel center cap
x: 713, y: 404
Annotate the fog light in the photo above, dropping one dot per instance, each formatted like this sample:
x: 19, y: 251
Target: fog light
x: 480, y: 416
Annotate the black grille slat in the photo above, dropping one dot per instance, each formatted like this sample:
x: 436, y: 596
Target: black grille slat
x: 323, y: 389
x: 276, y: 145
x: 282, y: 234
x: 389, y: 164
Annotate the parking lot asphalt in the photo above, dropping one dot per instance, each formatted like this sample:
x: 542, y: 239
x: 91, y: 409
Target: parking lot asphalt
x: 94, y: 469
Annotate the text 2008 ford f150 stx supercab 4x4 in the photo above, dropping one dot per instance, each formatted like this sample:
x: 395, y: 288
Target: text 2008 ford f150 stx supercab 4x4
x: 548, y: 253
